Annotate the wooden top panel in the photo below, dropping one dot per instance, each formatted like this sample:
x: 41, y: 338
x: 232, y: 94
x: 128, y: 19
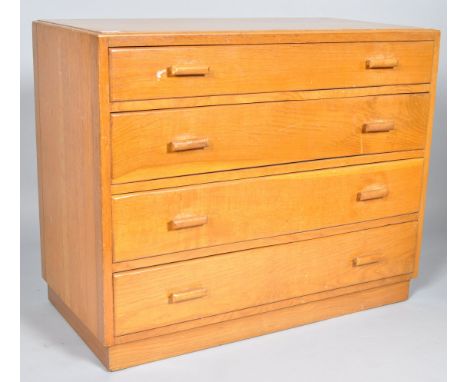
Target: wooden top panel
x: 151, y: 32
x: 127, y: 26
x: 167, y: 32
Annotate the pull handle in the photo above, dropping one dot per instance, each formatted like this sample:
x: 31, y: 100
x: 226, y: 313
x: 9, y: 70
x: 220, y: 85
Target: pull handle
x: 381, y: 63
x: 188, y: 222
x: 188, y: 144
x: 376, y: 191
x: 188, y: 295
x: 378, y: 127
x: 189, y: 70
x: 366, y: 260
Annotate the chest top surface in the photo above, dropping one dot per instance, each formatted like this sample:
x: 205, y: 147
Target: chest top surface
x: 129, y: 26
x: 151, y: 32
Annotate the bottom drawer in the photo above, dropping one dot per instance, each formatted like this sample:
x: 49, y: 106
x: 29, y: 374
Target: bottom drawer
x: 168, y: 294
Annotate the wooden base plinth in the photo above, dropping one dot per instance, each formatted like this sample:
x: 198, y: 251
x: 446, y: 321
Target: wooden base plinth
x: 133, y: 353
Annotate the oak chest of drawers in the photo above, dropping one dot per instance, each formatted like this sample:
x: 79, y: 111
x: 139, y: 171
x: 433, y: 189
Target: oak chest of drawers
x: 205, y: 181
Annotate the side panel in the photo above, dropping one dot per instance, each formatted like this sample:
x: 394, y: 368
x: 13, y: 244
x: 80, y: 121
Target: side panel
x: 68, y: 145
x: 427, y: 152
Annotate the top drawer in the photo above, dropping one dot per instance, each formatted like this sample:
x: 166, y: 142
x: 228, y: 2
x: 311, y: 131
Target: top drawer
x: 163, y: 72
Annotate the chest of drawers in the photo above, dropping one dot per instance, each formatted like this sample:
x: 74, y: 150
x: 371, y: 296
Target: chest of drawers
x: 206, y: 181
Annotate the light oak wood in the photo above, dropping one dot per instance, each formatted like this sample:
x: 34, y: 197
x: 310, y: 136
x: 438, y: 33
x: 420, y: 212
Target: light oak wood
x: 105, y: 263
x: 151, y: 349
x: 163, y: 32
x: 378, y: 127
x: 141, y: 27
x: 151, y: 145
x: 38, y: 143
x: 181, y: 71
x: 113, y: 358
x: 141, y: 73
x: 242, y: 210
x: 179, y: 102
x: 367, y: 260
x: 268, y: 37
x: 283, y: 304
x: 188, y: 144
x: 187, y: 295
x: 382, y: 63
x: 263, y: 242
x: 255, y: 172
x: 187, y: 222
x: 259, y: 276
x: 374, y: 191
x: 68, y: 145
x: 427, y: 155
x: 203, y: 181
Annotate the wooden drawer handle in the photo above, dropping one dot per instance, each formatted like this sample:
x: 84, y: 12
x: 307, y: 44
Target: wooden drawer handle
x: 378, y: 127
x: 181, y: 71
x: 381, y: 63
x: 372, y: 192
x: 188, y: 295
x: 188, y: 144
x: 366, y: 260
x: 193, y: 221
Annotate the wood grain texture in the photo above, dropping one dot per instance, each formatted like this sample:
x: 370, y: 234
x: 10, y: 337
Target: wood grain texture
x: 163, y: 32
x: 253, y: 310
x: 255, y: 172
x: 151, y: 349
x: 186, y: 295
x: 231, y: 99
x: 360, y: 261
x: 68, y: 137
x: 271, y: 133
x: 384, y: 126
x: 141, y: 73
x: 372, y: 192
x: 259, y: 276
x: 382, y: 62
x: 38, y: 144
x: 188, y: 70
x: 187, y: 222
x: 427, y: 155
x: 242, y: 210
x: 176, y: 26
x: 270, y: 37
x: 105, y: 262
x: 263, y: 242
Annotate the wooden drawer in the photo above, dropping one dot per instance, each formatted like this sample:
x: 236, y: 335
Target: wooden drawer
x: 167, y: 72
x: 164, y: 221
x: 156, y: 144
x: 168, y: 294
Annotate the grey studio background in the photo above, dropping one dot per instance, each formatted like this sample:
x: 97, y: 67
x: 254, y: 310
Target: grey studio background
x: 402, y: 342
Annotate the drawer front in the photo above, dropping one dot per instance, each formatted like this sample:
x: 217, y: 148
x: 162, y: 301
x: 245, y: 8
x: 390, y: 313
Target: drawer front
x: 171, y: 220
x: 168, y: 294
x: 166, y: 72
x: 157, y: 144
